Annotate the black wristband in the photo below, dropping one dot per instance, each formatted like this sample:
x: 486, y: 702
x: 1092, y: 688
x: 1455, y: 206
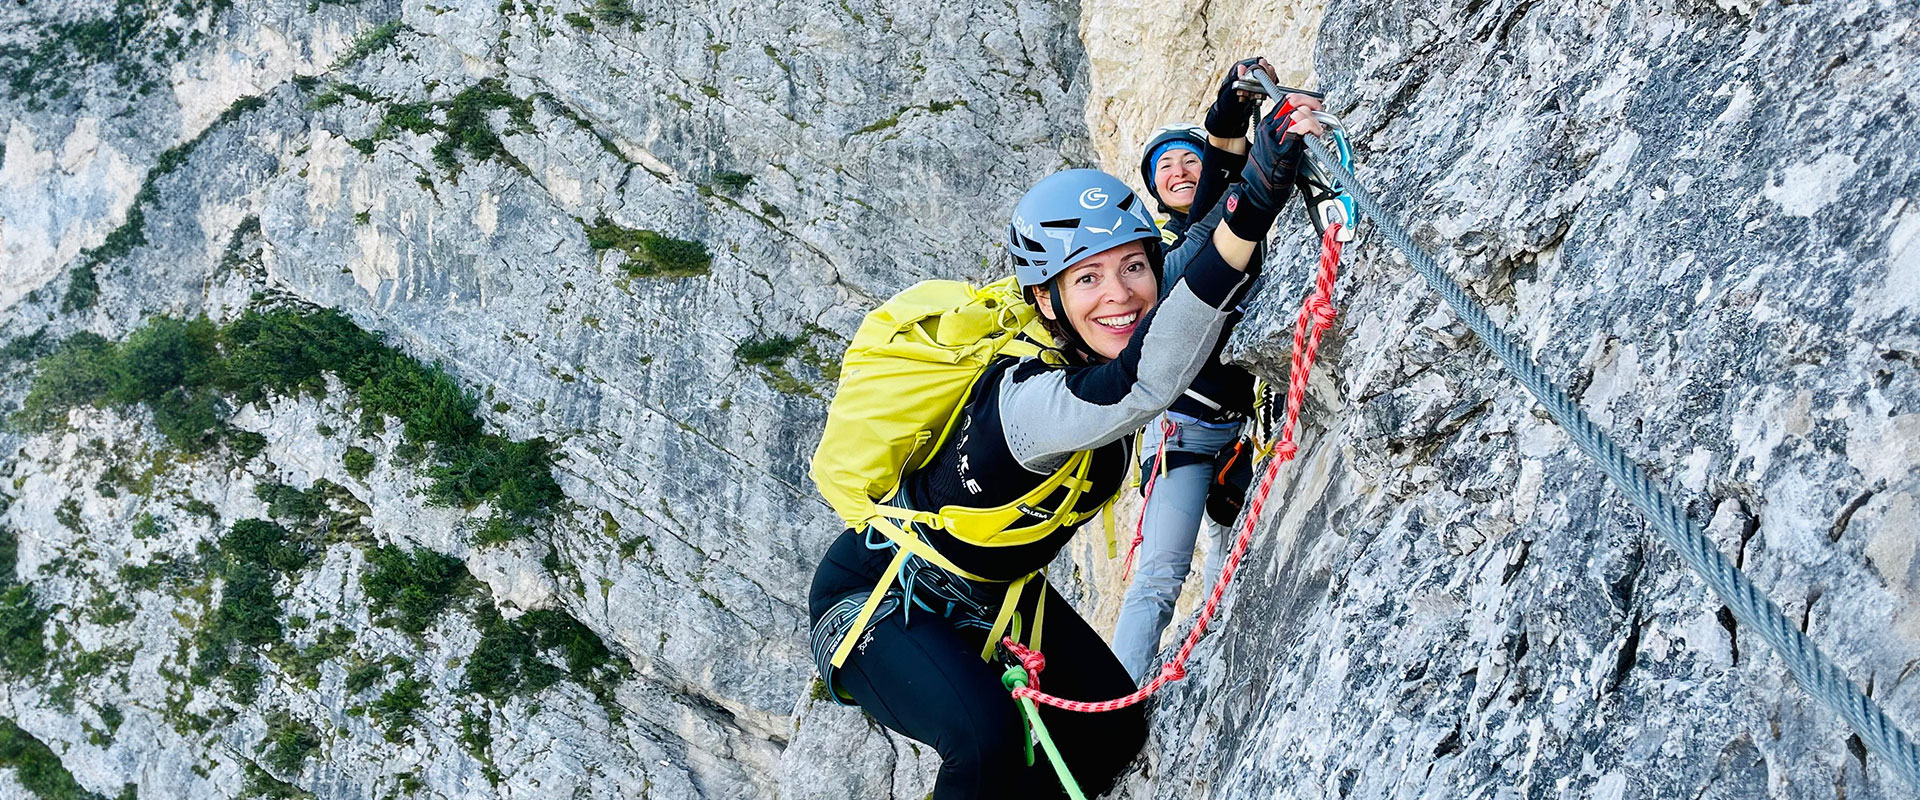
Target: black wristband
x: 1247, y: 219
x: 1212, y: 279
x: 1231, y: 115
x: 1228, y: 120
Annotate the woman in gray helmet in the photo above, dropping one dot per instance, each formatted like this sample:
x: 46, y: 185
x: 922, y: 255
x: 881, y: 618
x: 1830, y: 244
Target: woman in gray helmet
x: 1090, y: 257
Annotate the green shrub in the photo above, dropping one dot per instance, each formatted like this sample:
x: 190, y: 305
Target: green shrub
x: 245, y: 444
x: 516, y: 476
x: 773, y: 350
x: 617, y: 12
x: 190, y: 419
x: 412, y: 117
x: 358, y: 461
x: 36, y: 767
x: 468, y: 130
x: 185, y: 371
x: 148, y: 526
x: 650, y: 254
x: 83, y: 289
x: 261, y: 785
x: 26, y: 348
x: 78, y: 372
x: 426, y: 399
x: 504, y: 662
x: 112, y: 717
x: 249, y: 609
x: 501, y: 528
x: 288, y: 742
x: 269, y: 544
x: 304, y: 665
x: 409, y: 590
x: 398, y: 708
x: 289, y: 352
x: 23, y: 623
x: 243, y: 679
x: 163, y: 356
x: 476, y: 737
x: 370, y: 41
x: 305, y: 509
x: 731, y: 182
x: 146, y: 577
x: 507, y: 660
x: 9, y: 556
x: 364, y: 674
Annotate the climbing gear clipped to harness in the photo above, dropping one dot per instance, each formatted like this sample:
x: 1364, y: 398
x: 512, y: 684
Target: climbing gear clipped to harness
x: 1016, y: 678
x: 1232, y: 477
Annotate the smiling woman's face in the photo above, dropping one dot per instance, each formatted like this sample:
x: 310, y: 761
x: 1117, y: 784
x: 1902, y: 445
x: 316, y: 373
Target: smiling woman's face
x: 1105, y: 296
x: 1175, y: 176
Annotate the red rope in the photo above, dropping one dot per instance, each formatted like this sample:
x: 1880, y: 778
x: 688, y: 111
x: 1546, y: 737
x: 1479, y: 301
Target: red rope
x: 1316, y: 316
x: 1140, y: 525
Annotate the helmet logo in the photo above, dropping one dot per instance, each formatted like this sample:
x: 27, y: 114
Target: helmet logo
x: 1092, y: 198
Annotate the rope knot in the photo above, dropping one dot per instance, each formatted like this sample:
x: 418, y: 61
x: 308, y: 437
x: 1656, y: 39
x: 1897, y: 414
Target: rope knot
x: 1286, y: 450
x: 1173, y: 670
x: 1033, y: 661
x: 1321, y: 312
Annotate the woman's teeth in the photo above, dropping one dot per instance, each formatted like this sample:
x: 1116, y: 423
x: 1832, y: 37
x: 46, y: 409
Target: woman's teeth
x: 1183, y: 186
x: 1121, y: 321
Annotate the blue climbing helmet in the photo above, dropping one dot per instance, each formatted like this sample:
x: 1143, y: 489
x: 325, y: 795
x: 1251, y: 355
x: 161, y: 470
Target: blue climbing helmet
x: 1072, y: 214
x: 1179, y: 135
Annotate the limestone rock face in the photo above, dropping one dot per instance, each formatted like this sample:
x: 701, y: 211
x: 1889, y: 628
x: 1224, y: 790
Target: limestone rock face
x: 1447, y: 599
x: 487, y: 185
x: 643, y: 231
x: 1160, y: 63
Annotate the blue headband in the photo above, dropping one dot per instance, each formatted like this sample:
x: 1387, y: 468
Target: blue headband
x: 1153, y: 158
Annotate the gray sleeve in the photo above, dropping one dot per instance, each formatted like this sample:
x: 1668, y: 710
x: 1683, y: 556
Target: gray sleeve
x: 1049, y: 415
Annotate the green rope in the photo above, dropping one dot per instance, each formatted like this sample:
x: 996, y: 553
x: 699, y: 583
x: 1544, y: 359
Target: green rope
x: 1014, y: 678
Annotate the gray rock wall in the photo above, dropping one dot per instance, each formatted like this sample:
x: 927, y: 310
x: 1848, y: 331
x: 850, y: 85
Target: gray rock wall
x: 1698, y: 216
x: 1699, y: 219
x: 823, y: 155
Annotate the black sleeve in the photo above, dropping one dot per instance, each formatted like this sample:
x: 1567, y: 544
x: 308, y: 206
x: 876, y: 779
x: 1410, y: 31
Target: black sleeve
x: 1218, y: 170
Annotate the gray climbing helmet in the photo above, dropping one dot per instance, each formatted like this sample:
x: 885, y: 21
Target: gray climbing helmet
x: 1072, y: 214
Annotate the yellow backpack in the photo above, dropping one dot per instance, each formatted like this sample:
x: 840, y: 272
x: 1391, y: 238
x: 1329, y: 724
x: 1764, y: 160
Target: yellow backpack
x: 906, y: 376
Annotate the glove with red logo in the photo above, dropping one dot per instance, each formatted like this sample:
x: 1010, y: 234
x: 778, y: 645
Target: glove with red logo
x: 1267, y: 180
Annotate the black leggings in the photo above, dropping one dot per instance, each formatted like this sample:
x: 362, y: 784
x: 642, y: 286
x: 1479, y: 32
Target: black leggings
x: 926, y: 680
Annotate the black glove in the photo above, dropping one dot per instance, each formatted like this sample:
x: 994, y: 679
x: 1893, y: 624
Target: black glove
x: 1227, y: 118
x: 1267, y: 180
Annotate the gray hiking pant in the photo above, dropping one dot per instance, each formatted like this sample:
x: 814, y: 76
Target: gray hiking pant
x: 1175, y: 512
